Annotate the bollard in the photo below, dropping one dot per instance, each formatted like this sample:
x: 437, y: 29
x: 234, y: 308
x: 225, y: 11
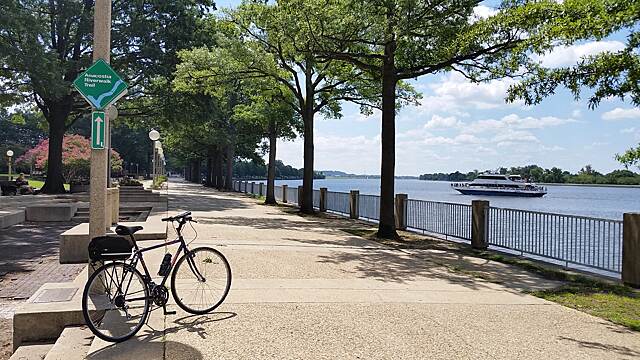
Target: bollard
x: 284, y: 193
x: 116, y: 205
x: 300, y: 192
x: 354, y: 199
x: 401, y: 211
x: 323, y: 199
x: 260, y: 192
x: 479, y: 224
x: 253, y: 185
x: 631, y: 249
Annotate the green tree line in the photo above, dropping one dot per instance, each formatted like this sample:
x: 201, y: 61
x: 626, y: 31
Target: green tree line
x: 535, y: 173
x: 244, y: 170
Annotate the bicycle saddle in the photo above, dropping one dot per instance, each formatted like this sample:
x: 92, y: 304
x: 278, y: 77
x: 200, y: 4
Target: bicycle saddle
x: 127, y: 230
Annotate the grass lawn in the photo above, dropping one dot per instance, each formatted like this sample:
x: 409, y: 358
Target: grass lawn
x: 38, y: 184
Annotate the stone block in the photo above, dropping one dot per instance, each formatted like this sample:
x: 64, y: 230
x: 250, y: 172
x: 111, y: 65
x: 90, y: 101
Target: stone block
x: 51, y: 212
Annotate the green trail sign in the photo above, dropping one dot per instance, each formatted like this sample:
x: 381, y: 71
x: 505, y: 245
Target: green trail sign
x: 97, y: 130
x: 100, y: 85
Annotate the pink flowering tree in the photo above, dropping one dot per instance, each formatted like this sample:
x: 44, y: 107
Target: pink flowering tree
x: 76, y: 155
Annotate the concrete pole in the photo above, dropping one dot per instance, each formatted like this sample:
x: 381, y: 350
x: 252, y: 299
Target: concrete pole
x: 284, y: 193
x: 479, y: 224
x: 98, y: 224
x: 401, y: 211
x: 10, y: 175
x: 631, y: 249
x: 323, y: 199
x: 354, y: 206
x: 300, y: 193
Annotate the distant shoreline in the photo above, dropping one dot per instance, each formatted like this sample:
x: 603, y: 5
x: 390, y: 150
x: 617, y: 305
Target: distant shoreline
x: 593, y: 185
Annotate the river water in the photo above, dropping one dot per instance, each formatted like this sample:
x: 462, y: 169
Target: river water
x: 593, y: 201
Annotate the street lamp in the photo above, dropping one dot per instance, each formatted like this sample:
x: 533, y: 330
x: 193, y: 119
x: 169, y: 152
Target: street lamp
x: 10, y: 155
x: 154, y: 136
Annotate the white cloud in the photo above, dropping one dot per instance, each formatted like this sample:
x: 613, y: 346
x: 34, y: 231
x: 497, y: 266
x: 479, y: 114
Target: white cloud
x: 628, y: 130
x: 569, y: 55
x: 483, y: 11
x: 439, y: 122
x: 514, y: 121
x: 620, y: 114
x: 461, y: 93
x: 577, y: 113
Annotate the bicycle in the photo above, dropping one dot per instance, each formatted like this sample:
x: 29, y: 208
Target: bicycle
x: 118, y: 298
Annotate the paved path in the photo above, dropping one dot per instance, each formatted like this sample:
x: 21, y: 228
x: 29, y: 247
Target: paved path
x: 303, y: 289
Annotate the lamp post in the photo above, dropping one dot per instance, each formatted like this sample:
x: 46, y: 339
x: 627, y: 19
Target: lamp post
x: 154, y: 136
x: 10, y: 156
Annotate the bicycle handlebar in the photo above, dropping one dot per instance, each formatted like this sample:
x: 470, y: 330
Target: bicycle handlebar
x: 180, y: 216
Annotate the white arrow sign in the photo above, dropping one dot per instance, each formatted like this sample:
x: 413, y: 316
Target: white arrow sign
x: 98, y: 130
x: 99, y: 125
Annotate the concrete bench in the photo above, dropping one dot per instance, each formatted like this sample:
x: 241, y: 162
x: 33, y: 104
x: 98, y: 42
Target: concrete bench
x: 51, y: 212
x: 11, y: 217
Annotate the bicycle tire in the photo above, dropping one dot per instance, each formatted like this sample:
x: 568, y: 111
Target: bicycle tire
x: 88, y: 292
x: 179, y: 297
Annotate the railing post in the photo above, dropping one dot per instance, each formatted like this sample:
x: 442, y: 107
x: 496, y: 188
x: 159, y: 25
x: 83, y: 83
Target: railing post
x: 323, y: 199
x: 299, y: 195
x: 253, y: 187
x: 631, y: 249
x: 246, y: 186
x: 354, y: 199
x: 401, y: 211
x: 284, y: 193
x: 479, y: 224
x: 260, y: 192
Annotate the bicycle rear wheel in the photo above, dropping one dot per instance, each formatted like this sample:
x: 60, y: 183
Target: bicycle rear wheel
x: 115, y: 302
x: 201, y: 280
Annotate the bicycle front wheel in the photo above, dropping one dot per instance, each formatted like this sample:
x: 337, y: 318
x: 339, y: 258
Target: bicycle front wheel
x: 115, y: 302
x: 201, y: 280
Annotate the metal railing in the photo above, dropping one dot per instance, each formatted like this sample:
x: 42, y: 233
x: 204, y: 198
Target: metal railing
x: 338, y: 202
x: 569, y: 239
x: 443, y: 218
x: 292, y: 195
x: 587, y: 243
x: 316, y: 199
x: 369, y: 207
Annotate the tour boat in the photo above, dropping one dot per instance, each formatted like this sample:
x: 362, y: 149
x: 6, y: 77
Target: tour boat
x: 500, y: 185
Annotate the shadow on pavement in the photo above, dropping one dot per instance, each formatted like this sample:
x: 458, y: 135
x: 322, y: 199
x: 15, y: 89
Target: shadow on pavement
x: 26, y: 243
x: 151, y: 342
x: 620, y: 350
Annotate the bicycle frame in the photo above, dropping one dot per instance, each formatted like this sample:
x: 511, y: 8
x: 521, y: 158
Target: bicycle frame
x: 137, y: 256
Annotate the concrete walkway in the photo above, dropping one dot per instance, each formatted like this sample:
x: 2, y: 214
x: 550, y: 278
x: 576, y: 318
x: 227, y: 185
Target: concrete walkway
x: 303, y: 289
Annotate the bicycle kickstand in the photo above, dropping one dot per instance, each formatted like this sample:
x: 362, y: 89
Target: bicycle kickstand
x: 164, y: 309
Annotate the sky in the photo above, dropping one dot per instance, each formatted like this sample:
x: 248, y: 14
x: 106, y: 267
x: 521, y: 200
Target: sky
x: 464, y: 126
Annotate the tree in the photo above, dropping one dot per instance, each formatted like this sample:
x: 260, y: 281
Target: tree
x: 76, y: 158
x: 272, y: 41
x: 394, y: 40
x: 44, y: 46
x: 608, y: 74
x: 630, y: 157
x: 270, y: 110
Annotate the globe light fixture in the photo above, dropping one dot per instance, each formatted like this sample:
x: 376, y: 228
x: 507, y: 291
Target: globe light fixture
x: 10, y: 155
x: 154, y: 135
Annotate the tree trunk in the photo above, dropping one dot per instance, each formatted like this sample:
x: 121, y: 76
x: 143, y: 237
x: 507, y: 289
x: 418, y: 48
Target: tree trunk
x: 209, y: 177
x: 54, y: 184
x: 196, y: 170
x: 271, y: 172
x: 387, y: 224
x: 307, y: 118
x: 219, y: 165
x: 228, y: 183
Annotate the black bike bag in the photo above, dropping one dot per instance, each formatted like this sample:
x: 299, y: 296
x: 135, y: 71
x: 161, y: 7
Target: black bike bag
x: 109, y: 248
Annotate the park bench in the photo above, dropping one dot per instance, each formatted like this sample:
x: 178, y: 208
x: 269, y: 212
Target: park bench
x: 8, y: 188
